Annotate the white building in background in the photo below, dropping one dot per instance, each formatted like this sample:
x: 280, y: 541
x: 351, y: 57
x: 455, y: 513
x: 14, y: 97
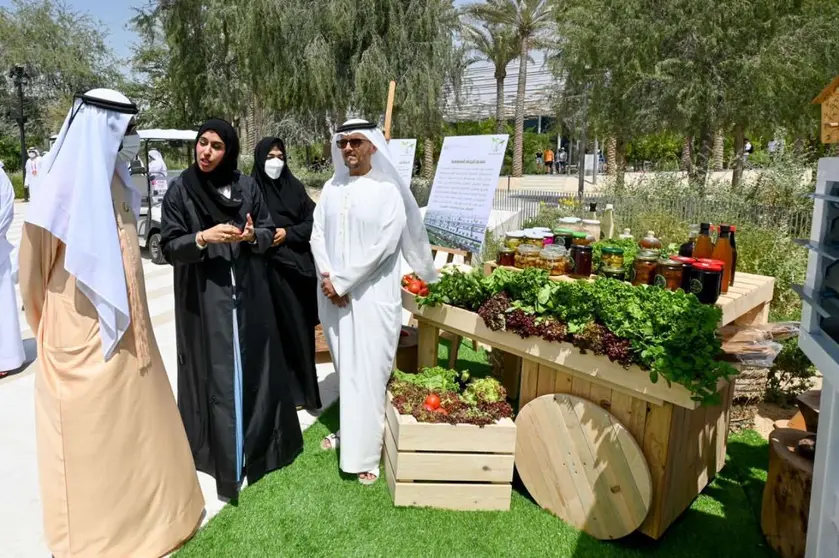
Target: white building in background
x: 477, y: 95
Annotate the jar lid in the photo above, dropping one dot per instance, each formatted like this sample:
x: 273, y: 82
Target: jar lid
x: 670, y: 263
x: 684, y: 260
x: 580, y: 234
x: 515, y: 234
x: 718, y: 263
x: 542, y: 229
x: 507, y: 250
x: 528, y: 249
x: 555, y: 249
x: 547, y: 234
x: 551, y: 254
x: 583, y: 247
x: 569, y: 220
x: 613, y: 250
x: 564, y: 232
x: 591, y: 221
x: 705, y: 266
x: 608, y: 270
x: 534, y: 235
x: 648, y: 255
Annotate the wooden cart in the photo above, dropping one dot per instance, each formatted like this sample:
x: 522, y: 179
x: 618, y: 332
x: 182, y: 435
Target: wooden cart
x: 684, y: 444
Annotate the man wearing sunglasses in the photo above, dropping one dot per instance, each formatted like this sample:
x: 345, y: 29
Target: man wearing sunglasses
x: 365, y: 219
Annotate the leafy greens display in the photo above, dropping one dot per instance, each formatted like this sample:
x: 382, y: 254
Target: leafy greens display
x: 670, y: 334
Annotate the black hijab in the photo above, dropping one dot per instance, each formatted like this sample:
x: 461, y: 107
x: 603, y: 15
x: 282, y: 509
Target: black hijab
x: 203, y: 187
x: 286, y: 196
x: 290, y: 207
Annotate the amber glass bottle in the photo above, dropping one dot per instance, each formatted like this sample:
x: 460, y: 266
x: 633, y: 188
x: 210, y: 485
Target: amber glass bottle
x: 724, y: 253
x: 704, y: 248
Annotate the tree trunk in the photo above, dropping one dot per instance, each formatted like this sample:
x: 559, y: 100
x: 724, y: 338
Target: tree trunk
x: 620, y: 161
x: 428, y: 159
x: 703, y: 162
x: 718, y: 152
x: 739, y: 147
x: 518, y: 141
x: 687, y: 155
x: 786, y: 496
x: 499, y: 105
x: 612, y: 156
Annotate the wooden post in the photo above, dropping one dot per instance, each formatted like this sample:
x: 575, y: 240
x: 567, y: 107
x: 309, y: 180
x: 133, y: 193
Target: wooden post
x: 391, y: 93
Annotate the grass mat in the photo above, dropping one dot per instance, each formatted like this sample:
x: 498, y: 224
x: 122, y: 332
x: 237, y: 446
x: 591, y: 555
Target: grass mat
x: 311, y: 509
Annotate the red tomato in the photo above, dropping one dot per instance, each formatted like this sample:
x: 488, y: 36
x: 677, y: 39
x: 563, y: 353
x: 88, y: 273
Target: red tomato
x: 423, y: 291
x: 442, y: 411
x: 433, y: 401
x: 414, y: 287
x: 406, y: 280
x: 429, y: 408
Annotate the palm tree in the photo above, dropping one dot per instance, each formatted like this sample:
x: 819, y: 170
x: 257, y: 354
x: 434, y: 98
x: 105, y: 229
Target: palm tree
x: 530, y: 19
x: 499, y: 45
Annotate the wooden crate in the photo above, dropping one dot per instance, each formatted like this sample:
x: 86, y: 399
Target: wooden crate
x: 457, y: 467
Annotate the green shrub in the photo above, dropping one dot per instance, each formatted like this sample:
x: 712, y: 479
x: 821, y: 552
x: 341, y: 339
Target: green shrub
x: 17, y: 183
x: 791, y: 374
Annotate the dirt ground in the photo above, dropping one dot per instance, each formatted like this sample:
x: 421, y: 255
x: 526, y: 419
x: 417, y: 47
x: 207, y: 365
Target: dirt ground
x: 762, y: 416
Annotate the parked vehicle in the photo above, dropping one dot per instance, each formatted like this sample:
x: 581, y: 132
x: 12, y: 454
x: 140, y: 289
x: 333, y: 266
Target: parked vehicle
x: 156, y: 184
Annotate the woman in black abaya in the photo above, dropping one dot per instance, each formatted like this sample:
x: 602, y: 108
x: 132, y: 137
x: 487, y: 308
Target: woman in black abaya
x: 291, y: 274
x: 233, y: 389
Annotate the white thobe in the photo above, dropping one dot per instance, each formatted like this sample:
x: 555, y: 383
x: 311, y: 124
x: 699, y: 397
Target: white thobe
x: 11, y: 345
x: 356, y: 238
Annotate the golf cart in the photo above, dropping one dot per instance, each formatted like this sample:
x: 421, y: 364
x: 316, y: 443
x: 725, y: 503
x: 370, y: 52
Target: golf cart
x: 155, y: 184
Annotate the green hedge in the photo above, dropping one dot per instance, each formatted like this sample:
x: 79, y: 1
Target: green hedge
x: 17, y: 183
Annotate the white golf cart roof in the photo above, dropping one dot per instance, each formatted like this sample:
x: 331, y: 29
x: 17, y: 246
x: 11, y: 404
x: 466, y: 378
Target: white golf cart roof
x: 168, y: 135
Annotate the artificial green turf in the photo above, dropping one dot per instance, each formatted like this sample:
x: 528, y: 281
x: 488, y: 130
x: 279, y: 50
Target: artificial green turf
x: 309, y: 509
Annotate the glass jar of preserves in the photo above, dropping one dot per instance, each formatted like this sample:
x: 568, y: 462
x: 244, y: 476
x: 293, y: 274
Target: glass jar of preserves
x: 687, y: 264
x: 547, y: 238
x: 581, y: 258
x: 613, y: 273
x: 554, y: 260
x: 514, y: 238
x: 506, y: 256
x: 668, y: 275
x: 571, y: 223
x: 533, y: 238
x: 592, y: 227
x: 650, y: 242
x: 706, y: 281
x: 643, y: 268
x: 611, y: 256
x: 527, y: 255
x: 581, y: 239
x: 541, y: 229
x: 563, y: 237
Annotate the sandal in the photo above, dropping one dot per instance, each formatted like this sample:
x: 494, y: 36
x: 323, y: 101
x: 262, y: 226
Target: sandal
x: 367, y: 482
x: 331, y: 442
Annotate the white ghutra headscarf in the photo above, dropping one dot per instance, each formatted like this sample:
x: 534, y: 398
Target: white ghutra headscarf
x: 76, y: 205
x: 415, y: 246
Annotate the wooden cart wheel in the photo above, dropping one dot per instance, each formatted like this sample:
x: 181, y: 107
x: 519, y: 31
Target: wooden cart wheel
x: 578, y: 462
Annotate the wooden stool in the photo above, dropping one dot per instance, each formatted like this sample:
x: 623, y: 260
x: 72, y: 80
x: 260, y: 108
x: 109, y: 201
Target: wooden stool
x: 786, y: 497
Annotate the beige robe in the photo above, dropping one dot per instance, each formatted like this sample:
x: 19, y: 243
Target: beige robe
x: 116, y: 472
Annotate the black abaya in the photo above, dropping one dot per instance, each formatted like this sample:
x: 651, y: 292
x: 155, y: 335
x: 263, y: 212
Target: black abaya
x: 292, y: 276
x: 236, y: 407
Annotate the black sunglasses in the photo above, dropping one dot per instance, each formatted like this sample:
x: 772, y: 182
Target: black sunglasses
x: 355, y: 143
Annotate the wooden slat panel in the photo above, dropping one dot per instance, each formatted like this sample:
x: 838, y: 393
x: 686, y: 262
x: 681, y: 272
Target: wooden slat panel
x: 529, y: 382
x: 428, y: 340
x: 656, y: 445
x: 445, y: 467
x: 453, y: 496
x: 545, y: 385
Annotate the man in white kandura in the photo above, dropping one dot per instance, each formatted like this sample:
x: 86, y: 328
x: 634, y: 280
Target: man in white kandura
x: 366, y: 215
x: 11, y: 345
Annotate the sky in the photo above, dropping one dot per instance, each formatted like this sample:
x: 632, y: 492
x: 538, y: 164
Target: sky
x: 114, y: 15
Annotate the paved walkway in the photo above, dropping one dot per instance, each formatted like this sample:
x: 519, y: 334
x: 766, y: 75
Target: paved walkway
x: 21, y: 532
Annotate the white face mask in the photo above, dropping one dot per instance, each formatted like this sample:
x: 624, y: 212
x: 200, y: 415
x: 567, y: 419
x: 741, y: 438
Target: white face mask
x: 130, y: 148
x: 273, y: 168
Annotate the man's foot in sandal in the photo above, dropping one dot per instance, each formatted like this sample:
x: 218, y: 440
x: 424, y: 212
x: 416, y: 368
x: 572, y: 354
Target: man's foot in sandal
x: 331, y: 442
x: 369, y: 477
